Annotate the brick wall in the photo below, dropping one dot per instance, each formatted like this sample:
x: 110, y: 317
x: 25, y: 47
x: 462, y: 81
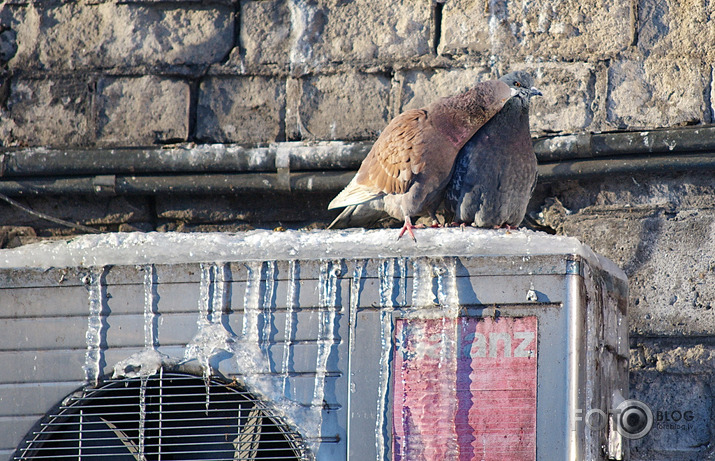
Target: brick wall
x: 98, y: 75
x: 142, y: 72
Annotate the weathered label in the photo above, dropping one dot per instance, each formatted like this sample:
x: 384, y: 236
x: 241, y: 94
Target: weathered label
x: 465, y: 389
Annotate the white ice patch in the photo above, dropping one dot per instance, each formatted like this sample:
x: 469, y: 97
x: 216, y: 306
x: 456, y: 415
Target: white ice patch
x: 142, y: 364
x: 179, y: 248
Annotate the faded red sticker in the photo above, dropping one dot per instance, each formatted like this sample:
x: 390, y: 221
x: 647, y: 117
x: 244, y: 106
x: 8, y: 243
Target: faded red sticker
x: 465, y: 389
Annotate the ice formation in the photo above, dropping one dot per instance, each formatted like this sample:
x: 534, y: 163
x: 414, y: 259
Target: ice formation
x: 176, y: 248
x: 94, y: 356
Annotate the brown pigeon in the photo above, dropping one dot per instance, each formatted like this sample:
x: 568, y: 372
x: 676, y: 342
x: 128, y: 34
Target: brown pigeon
x: 495, y: 172
x: 407, y: 170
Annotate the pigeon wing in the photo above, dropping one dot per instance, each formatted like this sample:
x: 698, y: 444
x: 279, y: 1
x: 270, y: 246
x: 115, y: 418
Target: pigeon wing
x: 393, y: 162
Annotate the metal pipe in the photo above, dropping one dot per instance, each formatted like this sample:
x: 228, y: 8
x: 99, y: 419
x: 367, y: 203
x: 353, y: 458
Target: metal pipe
x: 320, y: 167
x: 210, y: 183
x: 325, y: 155
x: 320, y: 181
x: 189, y: 158
x: 584, y: 169
x: 686, y: 140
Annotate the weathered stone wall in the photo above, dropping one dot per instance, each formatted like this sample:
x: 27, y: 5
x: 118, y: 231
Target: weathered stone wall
x: 661, y: 230
x: 139, y: 73
x: 142, y: 72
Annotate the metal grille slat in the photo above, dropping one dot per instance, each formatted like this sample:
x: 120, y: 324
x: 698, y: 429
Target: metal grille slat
x: 163, y: 417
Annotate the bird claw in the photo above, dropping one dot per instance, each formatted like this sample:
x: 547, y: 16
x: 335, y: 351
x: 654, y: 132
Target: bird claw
x: 408, y: 228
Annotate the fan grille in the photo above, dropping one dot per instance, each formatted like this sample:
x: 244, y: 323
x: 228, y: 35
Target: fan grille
x: 165, y: 417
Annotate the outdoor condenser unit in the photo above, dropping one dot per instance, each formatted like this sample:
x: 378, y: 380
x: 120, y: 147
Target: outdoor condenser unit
x: 469, y: 344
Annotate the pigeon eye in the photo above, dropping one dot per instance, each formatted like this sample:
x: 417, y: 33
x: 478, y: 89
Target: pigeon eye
x: 517, y: 84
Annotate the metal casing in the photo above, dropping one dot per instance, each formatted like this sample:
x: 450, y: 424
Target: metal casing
x: 307, y: 320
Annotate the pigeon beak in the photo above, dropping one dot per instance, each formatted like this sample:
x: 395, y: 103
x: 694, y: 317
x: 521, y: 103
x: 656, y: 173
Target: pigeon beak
x: 534, y: 92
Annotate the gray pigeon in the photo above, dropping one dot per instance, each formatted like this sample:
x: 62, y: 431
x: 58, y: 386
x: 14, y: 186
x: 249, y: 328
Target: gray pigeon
x: 495, y: 172
x: 408, y: 168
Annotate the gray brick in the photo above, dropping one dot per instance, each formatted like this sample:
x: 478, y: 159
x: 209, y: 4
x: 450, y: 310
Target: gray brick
x: 660, y: 231
x: 345, y: 106
x: 141, y: 111
x: 51, y: 111
x: 568, y: 96
x: 241, y: 109
x: 310, y: 34
x: 69, y: 36
x: 569, y: 29
x: 265, y: 32
x: 676, y: 29
x: 657, y: 92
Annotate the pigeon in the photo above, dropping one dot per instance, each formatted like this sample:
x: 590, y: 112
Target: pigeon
x: 408, y: 168
x: 495, y: 172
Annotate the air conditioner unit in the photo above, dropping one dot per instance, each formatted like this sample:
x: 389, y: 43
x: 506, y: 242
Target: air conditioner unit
x: 469, y: 344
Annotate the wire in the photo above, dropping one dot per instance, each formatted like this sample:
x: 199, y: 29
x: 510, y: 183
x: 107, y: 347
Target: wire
x: 47, y: 217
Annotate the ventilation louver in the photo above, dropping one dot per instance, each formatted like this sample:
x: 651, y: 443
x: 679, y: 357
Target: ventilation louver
x: 163, y: 417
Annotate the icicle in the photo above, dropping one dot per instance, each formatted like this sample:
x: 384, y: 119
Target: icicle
x: 358, y: 274
x: 149, y: 361
x: 327, y: 300
x: 150, y: 308
x: 204, y: 295
x: 422, y: 283
x: 142, y: 416
x: 268, y: 318
x: 251, y: 302
x: 291, y: 304
x: 94, y: 356
x: 381, y: 428
x: 386, y: 273
x: 447, y: 286
x: 402, y: 290
x: 212, y: 335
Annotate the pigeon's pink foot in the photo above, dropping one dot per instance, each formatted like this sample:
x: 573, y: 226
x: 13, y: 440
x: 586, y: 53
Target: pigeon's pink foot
x: 408, y: 227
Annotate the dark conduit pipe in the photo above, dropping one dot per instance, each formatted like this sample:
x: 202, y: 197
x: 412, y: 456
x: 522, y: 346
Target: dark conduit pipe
x: 320, y: 167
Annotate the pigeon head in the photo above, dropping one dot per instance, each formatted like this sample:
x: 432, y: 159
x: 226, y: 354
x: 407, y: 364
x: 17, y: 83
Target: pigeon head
x: 523, y: 83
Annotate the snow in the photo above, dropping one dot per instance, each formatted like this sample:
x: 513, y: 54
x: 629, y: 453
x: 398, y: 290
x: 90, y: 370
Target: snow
x: 174, y: 248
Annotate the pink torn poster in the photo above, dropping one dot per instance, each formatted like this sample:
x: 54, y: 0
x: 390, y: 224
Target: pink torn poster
x: 465, y: 389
